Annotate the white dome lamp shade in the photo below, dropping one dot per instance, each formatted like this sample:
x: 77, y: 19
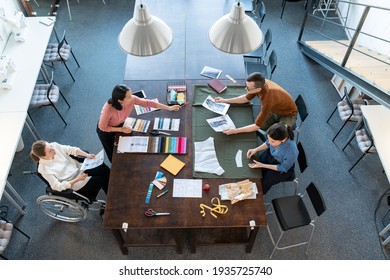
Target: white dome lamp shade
x: 144, y: 34
x: 236, y: 32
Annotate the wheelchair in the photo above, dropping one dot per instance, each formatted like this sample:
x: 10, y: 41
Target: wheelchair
x: 68, y: 205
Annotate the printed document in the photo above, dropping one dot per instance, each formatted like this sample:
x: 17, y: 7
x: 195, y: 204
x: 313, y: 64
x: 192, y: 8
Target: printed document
x: 219, y: 108
x: 221, y: 123
x: 90, y: 163
x: 187, y: 188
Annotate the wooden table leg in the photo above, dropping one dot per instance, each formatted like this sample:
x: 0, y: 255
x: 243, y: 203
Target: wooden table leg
x: 193, y: 241
x: 119, y: 239
x: 252, y: 238
x: 179, y: 241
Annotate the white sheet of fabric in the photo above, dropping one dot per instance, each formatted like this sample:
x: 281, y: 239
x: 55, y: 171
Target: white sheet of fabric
x: 206, y: 158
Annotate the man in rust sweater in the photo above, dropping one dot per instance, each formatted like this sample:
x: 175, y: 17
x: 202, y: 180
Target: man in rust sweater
x: 277, y: 105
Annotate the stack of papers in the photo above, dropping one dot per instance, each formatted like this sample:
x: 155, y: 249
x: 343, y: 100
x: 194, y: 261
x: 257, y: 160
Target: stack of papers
x: 238, y: 191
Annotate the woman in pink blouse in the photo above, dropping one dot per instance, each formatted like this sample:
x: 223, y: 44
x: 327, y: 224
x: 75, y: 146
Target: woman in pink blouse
x: 116, y: 110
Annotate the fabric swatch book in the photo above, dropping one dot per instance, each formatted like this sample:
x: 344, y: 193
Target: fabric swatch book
x: 153, y: 145
x: 217, y: 85
x: 172, y: 164
x: 137, y: 124
x: 166, y: 124
x: 142, y: 110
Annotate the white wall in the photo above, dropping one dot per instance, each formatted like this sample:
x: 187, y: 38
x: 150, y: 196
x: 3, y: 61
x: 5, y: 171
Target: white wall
x: 377, y: 23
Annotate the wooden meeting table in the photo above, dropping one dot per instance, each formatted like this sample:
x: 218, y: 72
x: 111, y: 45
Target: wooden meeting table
x: 131, y: 174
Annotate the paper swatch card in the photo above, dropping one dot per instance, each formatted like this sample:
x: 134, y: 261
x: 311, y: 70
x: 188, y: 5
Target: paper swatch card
x: 143, y: 110
x: 172, y: 164
x: 137, y: 124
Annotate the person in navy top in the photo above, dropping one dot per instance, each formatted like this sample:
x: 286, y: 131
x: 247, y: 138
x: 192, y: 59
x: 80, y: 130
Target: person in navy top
x: 278, y: 159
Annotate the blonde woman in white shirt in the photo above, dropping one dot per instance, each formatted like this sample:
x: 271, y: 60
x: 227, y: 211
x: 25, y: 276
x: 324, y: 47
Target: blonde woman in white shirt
x: 62, y: 172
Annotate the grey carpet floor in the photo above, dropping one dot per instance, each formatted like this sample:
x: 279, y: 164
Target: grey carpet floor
x: 355, y: 206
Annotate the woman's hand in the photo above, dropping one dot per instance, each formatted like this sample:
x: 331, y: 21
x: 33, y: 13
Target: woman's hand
x: 125, y: 129
x: 174, y: 108
x: 90, y: 156
x: 250, y: 153
x: 82, y: 177
x: 255, y: 164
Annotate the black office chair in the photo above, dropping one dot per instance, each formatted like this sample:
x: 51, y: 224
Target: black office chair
x: 266, y: 69
x: 261, y: 52
x: 284, y: 5
x: 302, y: 165
x: 365, y: 142
x: 292, y: 212
x: 302, y: 112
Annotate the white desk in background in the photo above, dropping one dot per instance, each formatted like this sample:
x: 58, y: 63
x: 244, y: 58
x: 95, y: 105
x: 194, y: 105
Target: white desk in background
x: 27, y: 57
x: 15, y: 102
x: 12, y: 124
x: 378, y: 120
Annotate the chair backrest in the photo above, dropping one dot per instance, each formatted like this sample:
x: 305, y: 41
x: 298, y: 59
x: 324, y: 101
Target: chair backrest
x: 272, y: 62
x: 348, y: 100
x: 261, y: 9
x: 302, y: 109
x: 316, y: 199
x: 267, y: 40
x: 61, y: 43
x: 302, y: 160
x: 50, y: 86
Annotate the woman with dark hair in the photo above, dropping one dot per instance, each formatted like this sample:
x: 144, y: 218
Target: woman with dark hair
x: 116, y: 110
x: 278, y: 159
x: 63, y: 172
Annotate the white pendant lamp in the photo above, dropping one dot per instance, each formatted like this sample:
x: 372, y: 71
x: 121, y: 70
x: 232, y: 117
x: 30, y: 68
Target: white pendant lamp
x: 144, y: 34
x: 236, y: 32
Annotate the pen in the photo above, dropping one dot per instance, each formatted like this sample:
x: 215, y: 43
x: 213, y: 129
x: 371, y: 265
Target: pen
x: 183, y: 105
x: 161, y: 194
x: 231, y: 79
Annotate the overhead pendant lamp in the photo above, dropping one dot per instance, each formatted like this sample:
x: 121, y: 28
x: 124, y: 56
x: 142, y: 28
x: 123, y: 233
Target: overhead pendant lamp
x: 144, y: 34
x: 236, y: 32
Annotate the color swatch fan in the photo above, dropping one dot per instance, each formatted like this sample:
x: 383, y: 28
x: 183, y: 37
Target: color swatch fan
x: 160, y: 182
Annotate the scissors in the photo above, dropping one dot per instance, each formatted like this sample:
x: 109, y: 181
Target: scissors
x: 150, y: 213
x: 155, y: 132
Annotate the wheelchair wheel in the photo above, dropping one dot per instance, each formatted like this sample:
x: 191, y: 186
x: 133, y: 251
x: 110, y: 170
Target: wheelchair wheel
x: 61, y: 208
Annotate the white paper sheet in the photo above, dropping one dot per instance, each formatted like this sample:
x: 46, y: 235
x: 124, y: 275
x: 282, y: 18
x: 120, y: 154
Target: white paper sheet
x: 187, y: 188
x: 90, y: 163
x: 221, y: 123
x: 239, y: 158
x: 133, y: 144
x: 219, y: 108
